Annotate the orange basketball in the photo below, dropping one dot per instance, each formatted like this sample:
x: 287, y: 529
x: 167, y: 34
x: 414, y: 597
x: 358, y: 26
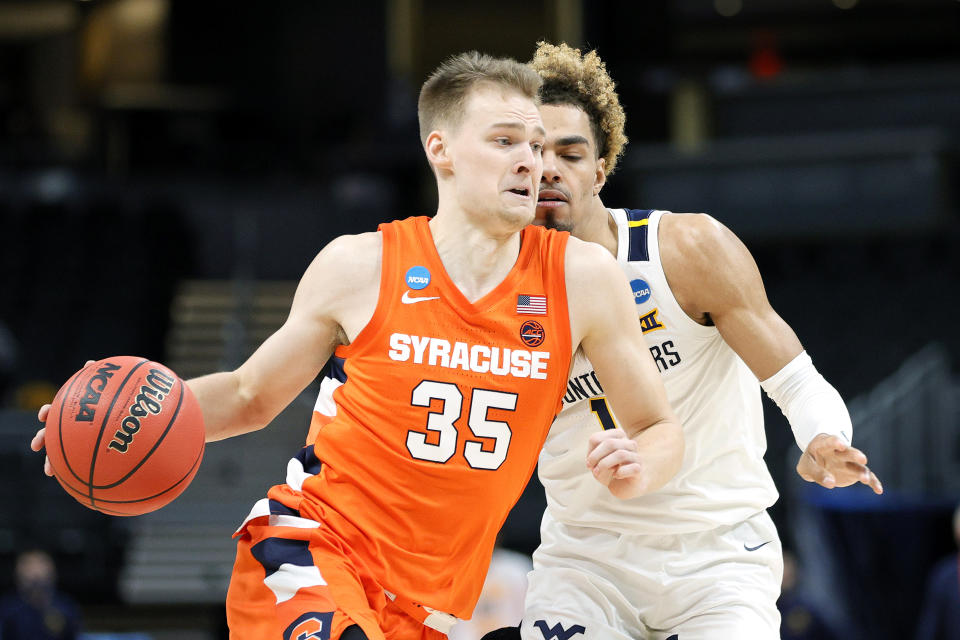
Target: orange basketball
x: 124, y: 436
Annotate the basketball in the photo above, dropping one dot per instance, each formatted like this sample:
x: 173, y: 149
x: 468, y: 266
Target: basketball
x: 124, y: 436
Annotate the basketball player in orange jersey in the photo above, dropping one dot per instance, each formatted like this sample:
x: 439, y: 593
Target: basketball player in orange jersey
x: 458, y: 333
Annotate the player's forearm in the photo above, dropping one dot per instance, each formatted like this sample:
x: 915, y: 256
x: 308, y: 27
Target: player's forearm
x: 661, y: 448
x: 228, y: 410
x: 811, y: 405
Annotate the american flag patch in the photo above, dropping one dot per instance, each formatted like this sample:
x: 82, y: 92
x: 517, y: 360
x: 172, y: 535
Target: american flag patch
x: 532, y: 305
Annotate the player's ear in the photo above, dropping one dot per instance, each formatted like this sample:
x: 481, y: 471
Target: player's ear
x: 600, y: 176
x: 438, y: 153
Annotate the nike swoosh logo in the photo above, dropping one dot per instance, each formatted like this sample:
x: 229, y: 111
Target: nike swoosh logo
x: 408, y: 299
x: 756, y: 547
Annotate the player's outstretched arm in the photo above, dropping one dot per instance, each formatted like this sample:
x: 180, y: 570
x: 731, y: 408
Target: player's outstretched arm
x: 647, y: 450
x: 335, y: 290
x: 714, y: 277
x: 340, y: 287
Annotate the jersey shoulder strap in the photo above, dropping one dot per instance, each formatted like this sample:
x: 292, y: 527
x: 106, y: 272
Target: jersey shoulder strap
x: 638, y: 227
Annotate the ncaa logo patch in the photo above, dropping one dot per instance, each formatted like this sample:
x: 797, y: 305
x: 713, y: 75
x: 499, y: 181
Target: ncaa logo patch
x: 417, y: 277
x: 641, y: 290
x: 532, y: 333
x: 310, y: 626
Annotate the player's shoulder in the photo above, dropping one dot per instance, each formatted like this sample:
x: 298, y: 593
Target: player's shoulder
x: 588, y: 256
x: 359, y: 247
x: 698, y: 240
x: 592, y: 278
x: 346, y: 263
x: 691, y: 231
x: 707, y: 265
x: 348, y: 252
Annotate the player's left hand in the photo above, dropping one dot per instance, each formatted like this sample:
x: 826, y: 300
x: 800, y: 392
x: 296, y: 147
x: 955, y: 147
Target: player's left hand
x: 831, y: 463
x: 613, y: 459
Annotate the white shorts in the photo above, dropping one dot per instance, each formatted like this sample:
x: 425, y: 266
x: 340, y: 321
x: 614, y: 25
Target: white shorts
x: 593, y: 584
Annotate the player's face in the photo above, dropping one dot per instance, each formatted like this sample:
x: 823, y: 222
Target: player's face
x: 496, y: 157
x: 572, y: 174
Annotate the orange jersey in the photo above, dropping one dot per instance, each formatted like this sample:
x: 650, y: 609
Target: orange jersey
x: 443, y: 414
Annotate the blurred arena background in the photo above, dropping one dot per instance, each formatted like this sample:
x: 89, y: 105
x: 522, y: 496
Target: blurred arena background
x: 168, y: 168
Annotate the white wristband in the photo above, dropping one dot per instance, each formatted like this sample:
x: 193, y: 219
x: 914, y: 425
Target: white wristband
x: 810, y: 403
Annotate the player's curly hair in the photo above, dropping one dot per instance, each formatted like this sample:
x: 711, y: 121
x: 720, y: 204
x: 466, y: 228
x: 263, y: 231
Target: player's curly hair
x: 570, y: 77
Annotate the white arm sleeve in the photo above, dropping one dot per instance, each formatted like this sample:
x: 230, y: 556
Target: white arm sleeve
x: 810, y: 403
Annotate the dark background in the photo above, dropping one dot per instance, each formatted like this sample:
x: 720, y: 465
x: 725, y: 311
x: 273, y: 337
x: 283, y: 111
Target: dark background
x: 145, y: 144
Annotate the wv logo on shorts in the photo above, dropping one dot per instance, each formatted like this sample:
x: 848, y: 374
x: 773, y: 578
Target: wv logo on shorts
x: 557, y: 631
x: 310, y: 626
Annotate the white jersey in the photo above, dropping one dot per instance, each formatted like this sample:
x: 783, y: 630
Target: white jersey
x: 723, y: 479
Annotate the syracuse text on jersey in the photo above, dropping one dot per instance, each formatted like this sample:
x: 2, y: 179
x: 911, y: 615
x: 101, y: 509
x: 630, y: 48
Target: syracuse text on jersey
x: 479, y: 358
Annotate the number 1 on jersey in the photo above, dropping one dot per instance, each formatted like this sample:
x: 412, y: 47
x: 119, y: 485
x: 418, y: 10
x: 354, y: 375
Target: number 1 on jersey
x: 602, y: 411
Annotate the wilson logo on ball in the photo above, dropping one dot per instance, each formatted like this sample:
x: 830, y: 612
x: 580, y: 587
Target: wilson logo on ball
x: 95, y: 387
x: 147, y: 402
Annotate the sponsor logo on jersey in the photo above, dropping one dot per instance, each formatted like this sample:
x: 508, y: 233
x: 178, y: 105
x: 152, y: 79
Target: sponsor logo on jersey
x: 649, y: 321
x: 417, y: 277
x: 91, y: 395
x: 641, y: 290
x: 310, y: 626
x: 558, y: 631
x: 409, y: 299
x: 478, y: 358
x: 532, y: 333
x: 147, y: 402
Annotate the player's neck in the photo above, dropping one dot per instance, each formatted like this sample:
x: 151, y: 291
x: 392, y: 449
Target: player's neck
x: 598, y: 226
x: 476, y: 259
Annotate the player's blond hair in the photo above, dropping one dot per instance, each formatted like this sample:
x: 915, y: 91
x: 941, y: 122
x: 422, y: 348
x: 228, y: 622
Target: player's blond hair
x: 570, y: 77
x: 443, y: 95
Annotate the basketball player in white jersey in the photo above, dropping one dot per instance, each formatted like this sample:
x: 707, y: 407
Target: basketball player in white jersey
x: 700, y: 559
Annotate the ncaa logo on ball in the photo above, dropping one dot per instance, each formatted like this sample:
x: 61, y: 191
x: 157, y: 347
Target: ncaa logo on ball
x: 91, y: 396
x: 417, y: 277
x: 641, y: 290
x: 532, y: 333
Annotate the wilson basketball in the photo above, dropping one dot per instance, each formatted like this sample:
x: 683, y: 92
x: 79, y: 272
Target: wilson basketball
x: 124, y: 436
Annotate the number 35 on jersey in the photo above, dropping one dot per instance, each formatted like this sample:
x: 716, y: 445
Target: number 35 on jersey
x: 441, y: 438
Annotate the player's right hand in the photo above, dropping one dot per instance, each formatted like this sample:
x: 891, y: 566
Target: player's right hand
x: 613, y: 459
